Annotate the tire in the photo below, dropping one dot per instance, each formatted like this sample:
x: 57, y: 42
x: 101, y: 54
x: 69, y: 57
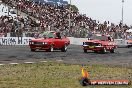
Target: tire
x: 112, y: 51
x: 85, y: 50
x: 129, y: 46
x: 33, y: 50
x: 95, y: 51
x: 64, y: 48
x: 51, y: 49
x: 103, y: 51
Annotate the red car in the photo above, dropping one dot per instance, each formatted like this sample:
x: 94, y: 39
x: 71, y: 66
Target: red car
x: 99, y: 43
x: 50, y: 41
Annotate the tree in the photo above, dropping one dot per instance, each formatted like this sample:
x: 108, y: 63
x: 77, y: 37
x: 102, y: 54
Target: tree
x: 74, y: 8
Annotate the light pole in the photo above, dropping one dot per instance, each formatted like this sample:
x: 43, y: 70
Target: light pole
x: 70, y: 16
x: 122, y: 12
x: 20, y: 6
x: 7, y: 7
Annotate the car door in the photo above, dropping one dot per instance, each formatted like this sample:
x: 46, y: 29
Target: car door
x: 58, y: 41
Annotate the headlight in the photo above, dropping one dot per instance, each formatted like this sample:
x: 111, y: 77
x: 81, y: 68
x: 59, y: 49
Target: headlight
x: 99, y: 45
x: 44, y: 43
x: 32, y: 42
x: 84, y: 43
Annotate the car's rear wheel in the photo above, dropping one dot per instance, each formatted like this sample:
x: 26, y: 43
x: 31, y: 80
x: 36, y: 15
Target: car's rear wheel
x: 85, y: 50
x: 64, y: 48
x: 112, y: 51
x: 103, y: 51
x: 33, y: 50
x: 129, y: 46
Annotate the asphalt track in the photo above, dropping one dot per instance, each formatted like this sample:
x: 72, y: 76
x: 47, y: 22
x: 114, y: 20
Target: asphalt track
x: 75, y: 55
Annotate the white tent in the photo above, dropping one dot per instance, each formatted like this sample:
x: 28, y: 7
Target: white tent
x: 130, y: 30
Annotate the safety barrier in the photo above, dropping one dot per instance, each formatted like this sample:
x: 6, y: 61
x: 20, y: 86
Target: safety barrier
x: 79, y: 41
x: 75, y: 41
x: 15, y: 40
x: 121, y: 42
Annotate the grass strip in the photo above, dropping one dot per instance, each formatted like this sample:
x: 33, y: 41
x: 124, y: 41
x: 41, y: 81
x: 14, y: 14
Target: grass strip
x: 57, y: 75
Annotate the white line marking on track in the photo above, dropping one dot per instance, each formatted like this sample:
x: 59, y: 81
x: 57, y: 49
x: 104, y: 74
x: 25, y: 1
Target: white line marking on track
x: 43, y: 61
x: 2, y: 64
x: 29, y: 62
x: 59, y: 60
x: 13, y: 63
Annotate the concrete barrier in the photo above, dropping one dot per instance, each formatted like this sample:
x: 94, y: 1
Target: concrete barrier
x: 121, y: 42
x: 15, y: 40
x: 75, y: 41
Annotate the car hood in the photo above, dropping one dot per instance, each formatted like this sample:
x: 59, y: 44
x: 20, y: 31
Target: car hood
x: 102, y: 42
x: 41, y: 40
x: 94, y: 41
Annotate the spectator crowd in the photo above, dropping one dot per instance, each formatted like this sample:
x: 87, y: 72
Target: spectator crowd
x: 46, y: 17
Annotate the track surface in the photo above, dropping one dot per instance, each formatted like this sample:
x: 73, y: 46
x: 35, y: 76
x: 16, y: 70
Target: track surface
x: 74, y: 55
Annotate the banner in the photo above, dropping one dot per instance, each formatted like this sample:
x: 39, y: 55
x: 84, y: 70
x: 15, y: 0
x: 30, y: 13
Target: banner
x: 74, y: 41
x: 15, y: 40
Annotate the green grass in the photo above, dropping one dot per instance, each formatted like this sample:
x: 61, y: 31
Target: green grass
x: 57, y: 75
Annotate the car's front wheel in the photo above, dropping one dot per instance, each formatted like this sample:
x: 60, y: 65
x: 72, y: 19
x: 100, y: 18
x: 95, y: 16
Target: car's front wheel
x: 51, y: 49
x: 112, y: 51
x: 33, y: 50
x: 85, y: 50
x: 64, y: 48
x: 103, y: 51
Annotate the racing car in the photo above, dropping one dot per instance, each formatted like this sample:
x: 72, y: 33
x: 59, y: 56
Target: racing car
x: 99, y: 43
x: 50, y: 41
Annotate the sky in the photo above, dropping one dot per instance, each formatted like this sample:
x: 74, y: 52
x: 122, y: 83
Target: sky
x: 105, y: 10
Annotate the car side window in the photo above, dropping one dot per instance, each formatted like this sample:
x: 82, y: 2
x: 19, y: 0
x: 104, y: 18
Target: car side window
x: 50, y: 35
x: 58, y: 35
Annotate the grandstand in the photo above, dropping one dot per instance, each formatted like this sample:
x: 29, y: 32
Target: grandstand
x: 43, y: 15
x: 52, y: 2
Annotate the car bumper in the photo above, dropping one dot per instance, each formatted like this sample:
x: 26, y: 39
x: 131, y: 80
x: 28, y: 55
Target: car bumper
x: 40, y: 47
x: 93, y: 48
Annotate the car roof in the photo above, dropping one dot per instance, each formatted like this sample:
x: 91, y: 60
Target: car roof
x: 48, y: 32
x: 101, y: 35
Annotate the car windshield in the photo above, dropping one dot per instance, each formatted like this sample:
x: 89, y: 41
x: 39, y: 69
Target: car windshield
x: 46, y: 35
x: 103, y: 38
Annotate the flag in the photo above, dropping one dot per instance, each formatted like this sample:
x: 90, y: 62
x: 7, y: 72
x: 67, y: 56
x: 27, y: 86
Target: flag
x: 84, y: 73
